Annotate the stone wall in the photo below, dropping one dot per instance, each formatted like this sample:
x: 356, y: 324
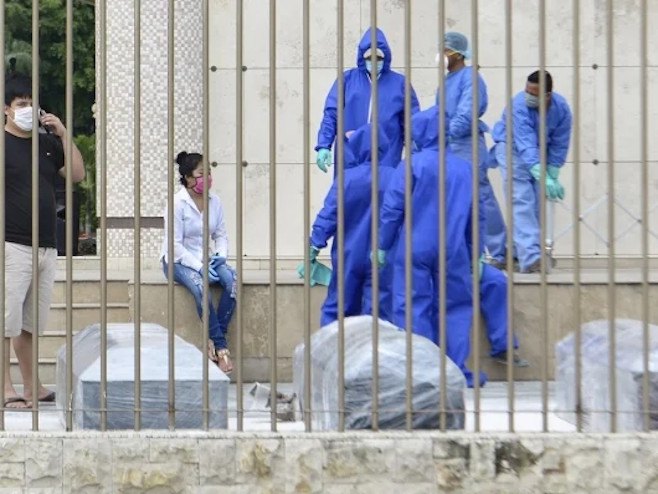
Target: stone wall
x: 330, y: 463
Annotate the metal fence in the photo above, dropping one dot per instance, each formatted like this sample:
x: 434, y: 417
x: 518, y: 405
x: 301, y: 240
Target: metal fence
x: 543, y: 303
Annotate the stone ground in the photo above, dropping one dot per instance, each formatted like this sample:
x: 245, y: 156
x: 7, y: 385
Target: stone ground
x: 493, y: 411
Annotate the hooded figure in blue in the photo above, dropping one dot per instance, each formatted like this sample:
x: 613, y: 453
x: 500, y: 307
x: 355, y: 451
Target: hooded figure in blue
x: 459, y: 107
x: 525, y: 167
x: 357, y: 224
x: 425, y: 241
x: 358, y: 105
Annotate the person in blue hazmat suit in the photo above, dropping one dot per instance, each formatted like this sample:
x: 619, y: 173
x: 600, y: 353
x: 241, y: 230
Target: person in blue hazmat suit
x: 357, y: 224
x: 459, y: 93
x: 425, y: 241
x: 358, y: 101
x: 525, y: 167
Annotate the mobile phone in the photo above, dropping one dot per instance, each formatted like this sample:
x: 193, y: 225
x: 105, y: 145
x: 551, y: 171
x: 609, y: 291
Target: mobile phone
x: 42, y: 113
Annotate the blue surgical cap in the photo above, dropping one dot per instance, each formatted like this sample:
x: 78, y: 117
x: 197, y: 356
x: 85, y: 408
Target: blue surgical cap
x: 457, y: 42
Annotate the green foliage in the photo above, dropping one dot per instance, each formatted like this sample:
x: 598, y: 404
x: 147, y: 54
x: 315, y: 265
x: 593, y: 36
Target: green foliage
x: 52, y: 75
x: 87, y: 146
x: 52, y: 51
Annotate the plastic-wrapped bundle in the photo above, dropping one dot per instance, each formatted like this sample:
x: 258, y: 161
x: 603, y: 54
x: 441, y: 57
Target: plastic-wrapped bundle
x: 188, y: 361
x: 595, y: 376
x: 392, y: 378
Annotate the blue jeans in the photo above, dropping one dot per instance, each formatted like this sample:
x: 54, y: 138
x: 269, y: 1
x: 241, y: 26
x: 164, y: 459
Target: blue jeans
x: 525, y: 201
x: 220, y: 318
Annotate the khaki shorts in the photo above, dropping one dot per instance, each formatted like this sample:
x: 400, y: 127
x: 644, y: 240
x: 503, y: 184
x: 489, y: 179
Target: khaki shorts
x: 19, y: 295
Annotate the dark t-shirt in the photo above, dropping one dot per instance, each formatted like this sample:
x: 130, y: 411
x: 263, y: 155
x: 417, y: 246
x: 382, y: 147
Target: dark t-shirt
x: 18, y: 188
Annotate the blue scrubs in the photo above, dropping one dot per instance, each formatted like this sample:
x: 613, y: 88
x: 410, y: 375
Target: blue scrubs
x: 525, y: 154
x: 459, y: 107
x: 357, y: 112
x: 357, y: 224
x: 425, y: 263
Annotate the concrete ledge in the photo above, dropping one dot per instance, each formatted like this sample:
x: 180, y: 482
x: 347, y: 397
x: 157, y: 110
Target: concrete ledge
x: 537, y: 341
x: 365, y: 462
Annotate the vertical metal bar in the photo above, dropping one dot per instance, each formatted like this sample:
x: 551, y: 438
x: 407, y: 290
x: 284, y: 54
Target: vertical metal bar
x: 102, y: 227
x: 35, y: 215
x: 509, y: 97
x: 273, y: 298
x: 239, y: 320
x: 171, y: 60
x: 206, y: 234
x: 408, y: 214
x: 137, y: 210
x: 542, y: 211
x: 375, y: 219
x: 306, y: 42
x: 475, y: 129
x: 2, y: 224
x: 69, y: 200
x: 340, y: 230
x: 442, y: 242
x: 576, y: 211
x: 644, y: 156
x: 612, y: 303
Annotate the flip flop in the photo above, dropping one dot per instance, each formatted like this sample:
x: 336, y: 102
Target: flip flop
x: 49, y: 398
x: 17, y: 399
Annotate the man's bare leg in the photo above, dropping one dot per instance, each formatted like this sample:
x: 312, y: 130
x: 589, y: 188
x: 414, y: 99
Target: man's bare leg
x: 23, y: 349
x: 12, y: 398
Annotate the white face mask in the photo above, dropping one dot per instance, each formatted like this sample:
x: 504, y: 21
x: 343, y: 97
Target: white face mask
x: 446, y: 60
x: 23, y: 118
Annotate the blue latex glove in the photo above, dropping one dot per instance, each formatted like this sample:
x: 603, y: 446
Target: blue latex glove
x: 313, y: 253
x: 323, y: 159
x: 213, y: 277
x: 554, y: 189
x: 216, y: 261
x: 381, y: 257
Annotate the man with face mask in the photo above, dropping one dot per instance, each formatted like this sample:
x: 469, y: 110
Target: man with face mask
x: 459, y: 94
x: 358, y: 101
x: 19, y: 325
x: 526, y: 168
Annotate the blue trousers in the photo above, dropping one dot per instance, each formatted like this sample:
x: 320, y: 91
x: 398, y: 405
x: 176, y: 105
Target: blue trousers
x: 220, y: 317
x: 425, y: 310
x: 525, y: 202
x: 492, y: 224
x: 493, y: 305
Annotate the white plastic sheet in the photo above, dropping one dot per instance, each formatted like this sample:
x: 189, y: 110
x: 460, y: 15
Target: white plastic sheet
x: 595, y: 376
x: 392, y: 378
x: 154, y: 380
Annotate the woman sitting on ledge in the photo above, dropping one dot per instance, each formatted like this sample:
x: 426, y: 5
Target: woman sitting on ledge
x: 188, y: 253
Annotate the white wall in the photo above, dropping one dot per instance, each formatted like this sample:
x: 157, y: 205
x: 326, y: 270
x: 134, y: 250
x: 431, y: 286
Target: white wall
x: 593, y: 112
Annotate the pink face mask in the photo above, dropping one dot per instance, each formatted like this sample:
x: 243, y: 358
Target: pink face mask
x: 200, y: 184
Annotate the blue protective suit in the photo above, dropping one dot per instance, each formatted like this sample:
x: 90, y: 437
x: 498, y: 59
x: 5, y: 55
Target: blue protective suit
x: 390, y: 86
x: 425, y: 241
x: 525, y: 154
x: 459, y: 102
x: 493, y: 305
x: 358, y: 221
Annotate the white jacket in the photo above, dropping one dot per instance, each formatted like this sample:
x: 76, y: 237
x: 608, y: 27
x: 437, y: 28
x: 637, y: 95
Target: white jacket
x: 188, y: 230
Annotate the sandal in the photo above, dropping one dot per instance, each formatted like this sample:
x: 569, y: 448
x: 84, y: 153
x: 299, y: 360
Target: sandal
x: 212, y: 353
x: 223, y: 360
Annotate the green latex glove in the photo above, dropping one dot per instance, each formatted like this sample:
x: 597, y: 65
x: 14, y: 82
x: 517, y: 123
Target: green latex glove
x: 381, y: 257
x: 320, y: 274
x: 553, y: 171
x: 323, y: 159
x: 554, y: 189
x: 313, y: 253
